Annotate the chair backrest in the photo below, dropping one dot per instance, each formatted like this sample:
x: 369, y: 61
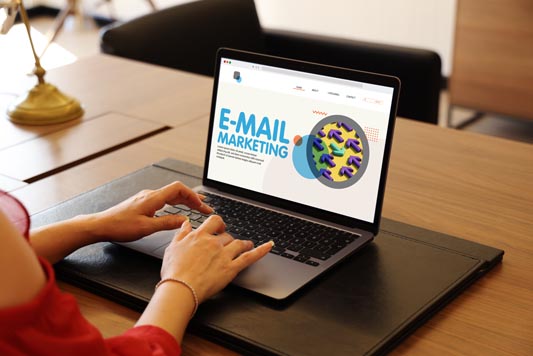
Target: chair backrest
x: 419, y: 70
x: 187, y: 36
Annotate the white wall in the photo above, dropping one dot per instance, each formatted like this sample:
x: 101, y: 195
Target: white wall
x: 415, y: 23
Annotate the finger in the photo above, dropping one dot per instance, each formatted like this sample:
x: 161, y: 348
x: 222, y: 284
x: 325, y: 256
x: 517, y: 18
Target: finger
x: 166, y: 222
x: 225, y: 238
x: 186, y: 228
x: 250, y: 257
x: 213, y: 225
x: 236, y: 247
x: 204, y: 208
x: 178, y: 193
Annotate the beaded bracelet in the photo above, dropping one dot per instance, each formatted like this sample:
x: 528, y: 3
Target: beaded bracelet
x: 195, y: 296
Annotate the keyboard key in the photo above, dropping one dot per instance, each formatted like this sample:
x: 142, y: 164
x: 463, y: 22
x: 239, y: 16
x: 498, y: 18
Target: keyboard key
x: 248, y: 233
x: 287, y: 255
x: 277, y: 250
x: 349, y: 239
x: 160, y: 213
x: 316, y: 254
x: 327, y: 241
x: 195, y: 216
x: 301, y: 234
x: 301, y: 258
x: 294, y: 248
x: 297, y: 241
x: 182, y: 207
x: 283, y: 244
x: 236, y: 230
x: 312, y: 263
x: 290, y: 231
x: 321, y: 247
x: 315, y: 238
x: 310, y: 244
x: 240, y: 223
x: 274, y: 235
x: 172, y: 209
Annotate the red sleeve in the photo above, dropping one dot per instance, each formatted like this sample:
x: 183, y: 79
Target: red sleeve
x: 144, y: 340
x: 51, y: 324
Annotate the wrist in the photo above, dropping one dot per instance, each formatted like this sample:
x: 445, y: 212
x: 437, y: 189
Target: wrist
x: 87, y: 226
x: 181, y: 287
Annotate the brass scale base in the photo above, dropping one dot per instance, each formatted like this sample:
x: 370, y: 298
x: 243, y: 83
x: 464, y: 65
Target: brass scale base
x: 44, y: 104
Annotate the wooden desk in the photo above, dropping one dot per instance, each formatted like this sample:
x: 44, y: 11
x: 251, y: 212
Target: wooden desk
x: 468, y: 185
x: 122, y: 103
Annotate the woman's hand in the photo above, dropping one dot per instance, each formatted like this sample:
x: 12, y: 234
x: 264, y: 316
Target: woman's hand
x: 127, y: 221
x: 134, y: 217
x: 208, y: 258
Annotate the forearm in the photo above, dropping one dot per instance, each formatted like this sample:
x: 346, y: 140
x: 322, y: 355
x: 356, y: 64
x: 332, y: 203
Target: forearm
x: 58, y: 240
x: 170, y: 309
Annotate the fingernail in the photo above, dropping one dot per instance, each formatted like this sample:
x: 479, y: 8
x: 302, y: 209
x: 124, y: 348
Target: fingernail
x: 272, y: 244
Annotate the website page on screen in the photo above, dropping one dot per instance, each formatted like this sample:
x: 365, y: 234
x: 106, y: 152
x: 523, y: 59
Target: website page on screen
x: 302, y: 137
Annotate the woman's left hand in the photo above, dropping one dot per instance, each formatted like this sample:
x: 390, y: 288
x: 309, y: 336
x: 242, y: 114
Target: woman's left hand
x: 134, y: 218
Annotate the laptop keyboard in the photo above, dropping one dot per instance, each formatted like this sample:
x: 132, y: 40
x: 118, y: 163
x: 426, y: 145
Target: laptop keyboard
x: 297, y: 239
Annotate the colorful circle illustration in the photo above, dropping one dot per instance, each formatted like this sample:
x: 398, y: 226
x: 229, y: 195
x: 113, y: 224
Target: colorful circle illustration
x: 337, y: 151
x: 299, y: 157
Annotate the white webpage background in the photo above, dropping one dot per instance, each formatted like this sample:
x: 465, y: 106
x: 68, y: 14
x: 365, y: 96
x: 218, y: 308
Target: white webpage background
x: 277, y: 176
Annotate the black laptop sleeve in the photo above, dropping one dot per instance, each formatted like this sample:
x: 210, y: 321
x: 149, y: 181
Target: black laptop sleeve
x: 365, y: 305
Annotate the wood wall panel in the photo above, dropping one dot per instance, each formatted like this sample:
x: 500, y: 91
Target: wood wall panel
x: 493, y: 57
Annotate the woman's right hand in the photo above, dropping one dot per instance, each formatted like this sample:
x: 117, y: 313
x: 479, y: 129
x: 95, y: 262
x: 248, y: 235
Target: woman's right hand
x: 208, y: 258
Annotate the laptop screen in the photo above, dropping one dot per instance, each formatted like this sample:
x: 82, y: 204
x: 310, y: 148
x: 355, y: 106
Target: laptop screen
x: 303, y: 137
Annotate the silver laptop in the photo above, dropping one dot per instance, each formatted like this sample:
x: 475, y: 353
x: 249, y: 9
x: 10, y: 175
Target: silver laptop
x: 296, y: 153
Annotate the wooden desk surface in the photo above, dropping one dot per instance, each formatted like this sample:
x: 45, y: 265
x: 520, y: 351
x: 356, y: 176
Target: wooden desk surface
x: 123, y: 101
x: 106, y: 84
x: 464, y: 184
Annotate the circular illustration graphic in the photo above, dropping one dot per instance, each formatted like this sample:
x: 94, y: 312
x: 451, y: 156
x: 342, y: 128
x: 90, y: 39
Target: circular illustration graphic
x: 336, y: 151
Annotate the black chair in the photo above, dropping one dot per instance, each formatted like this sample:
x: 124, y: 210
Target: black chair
x: 187, y: 37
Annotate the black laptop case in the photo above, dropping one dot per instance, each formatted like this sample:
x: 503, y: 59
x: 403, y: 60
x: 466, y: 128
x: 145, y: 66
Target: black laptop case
x: 365, y: 305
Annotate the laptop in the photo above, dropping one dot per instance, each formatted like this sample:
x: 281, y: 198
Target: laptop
x: 296, y: 153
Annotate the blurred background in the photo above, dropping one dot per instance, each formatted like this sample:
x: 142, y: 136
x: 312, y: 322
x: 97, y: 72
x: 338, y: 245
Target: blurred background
x: 435, y: 25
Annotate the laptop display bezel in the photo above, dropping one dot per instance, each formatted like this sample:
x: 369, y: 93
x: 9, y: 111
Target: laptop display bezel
x: 342, y: 73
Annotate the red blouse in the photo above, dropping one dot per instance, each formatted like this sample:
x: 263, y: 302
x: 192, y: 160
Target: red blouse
x: 51, y: 324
